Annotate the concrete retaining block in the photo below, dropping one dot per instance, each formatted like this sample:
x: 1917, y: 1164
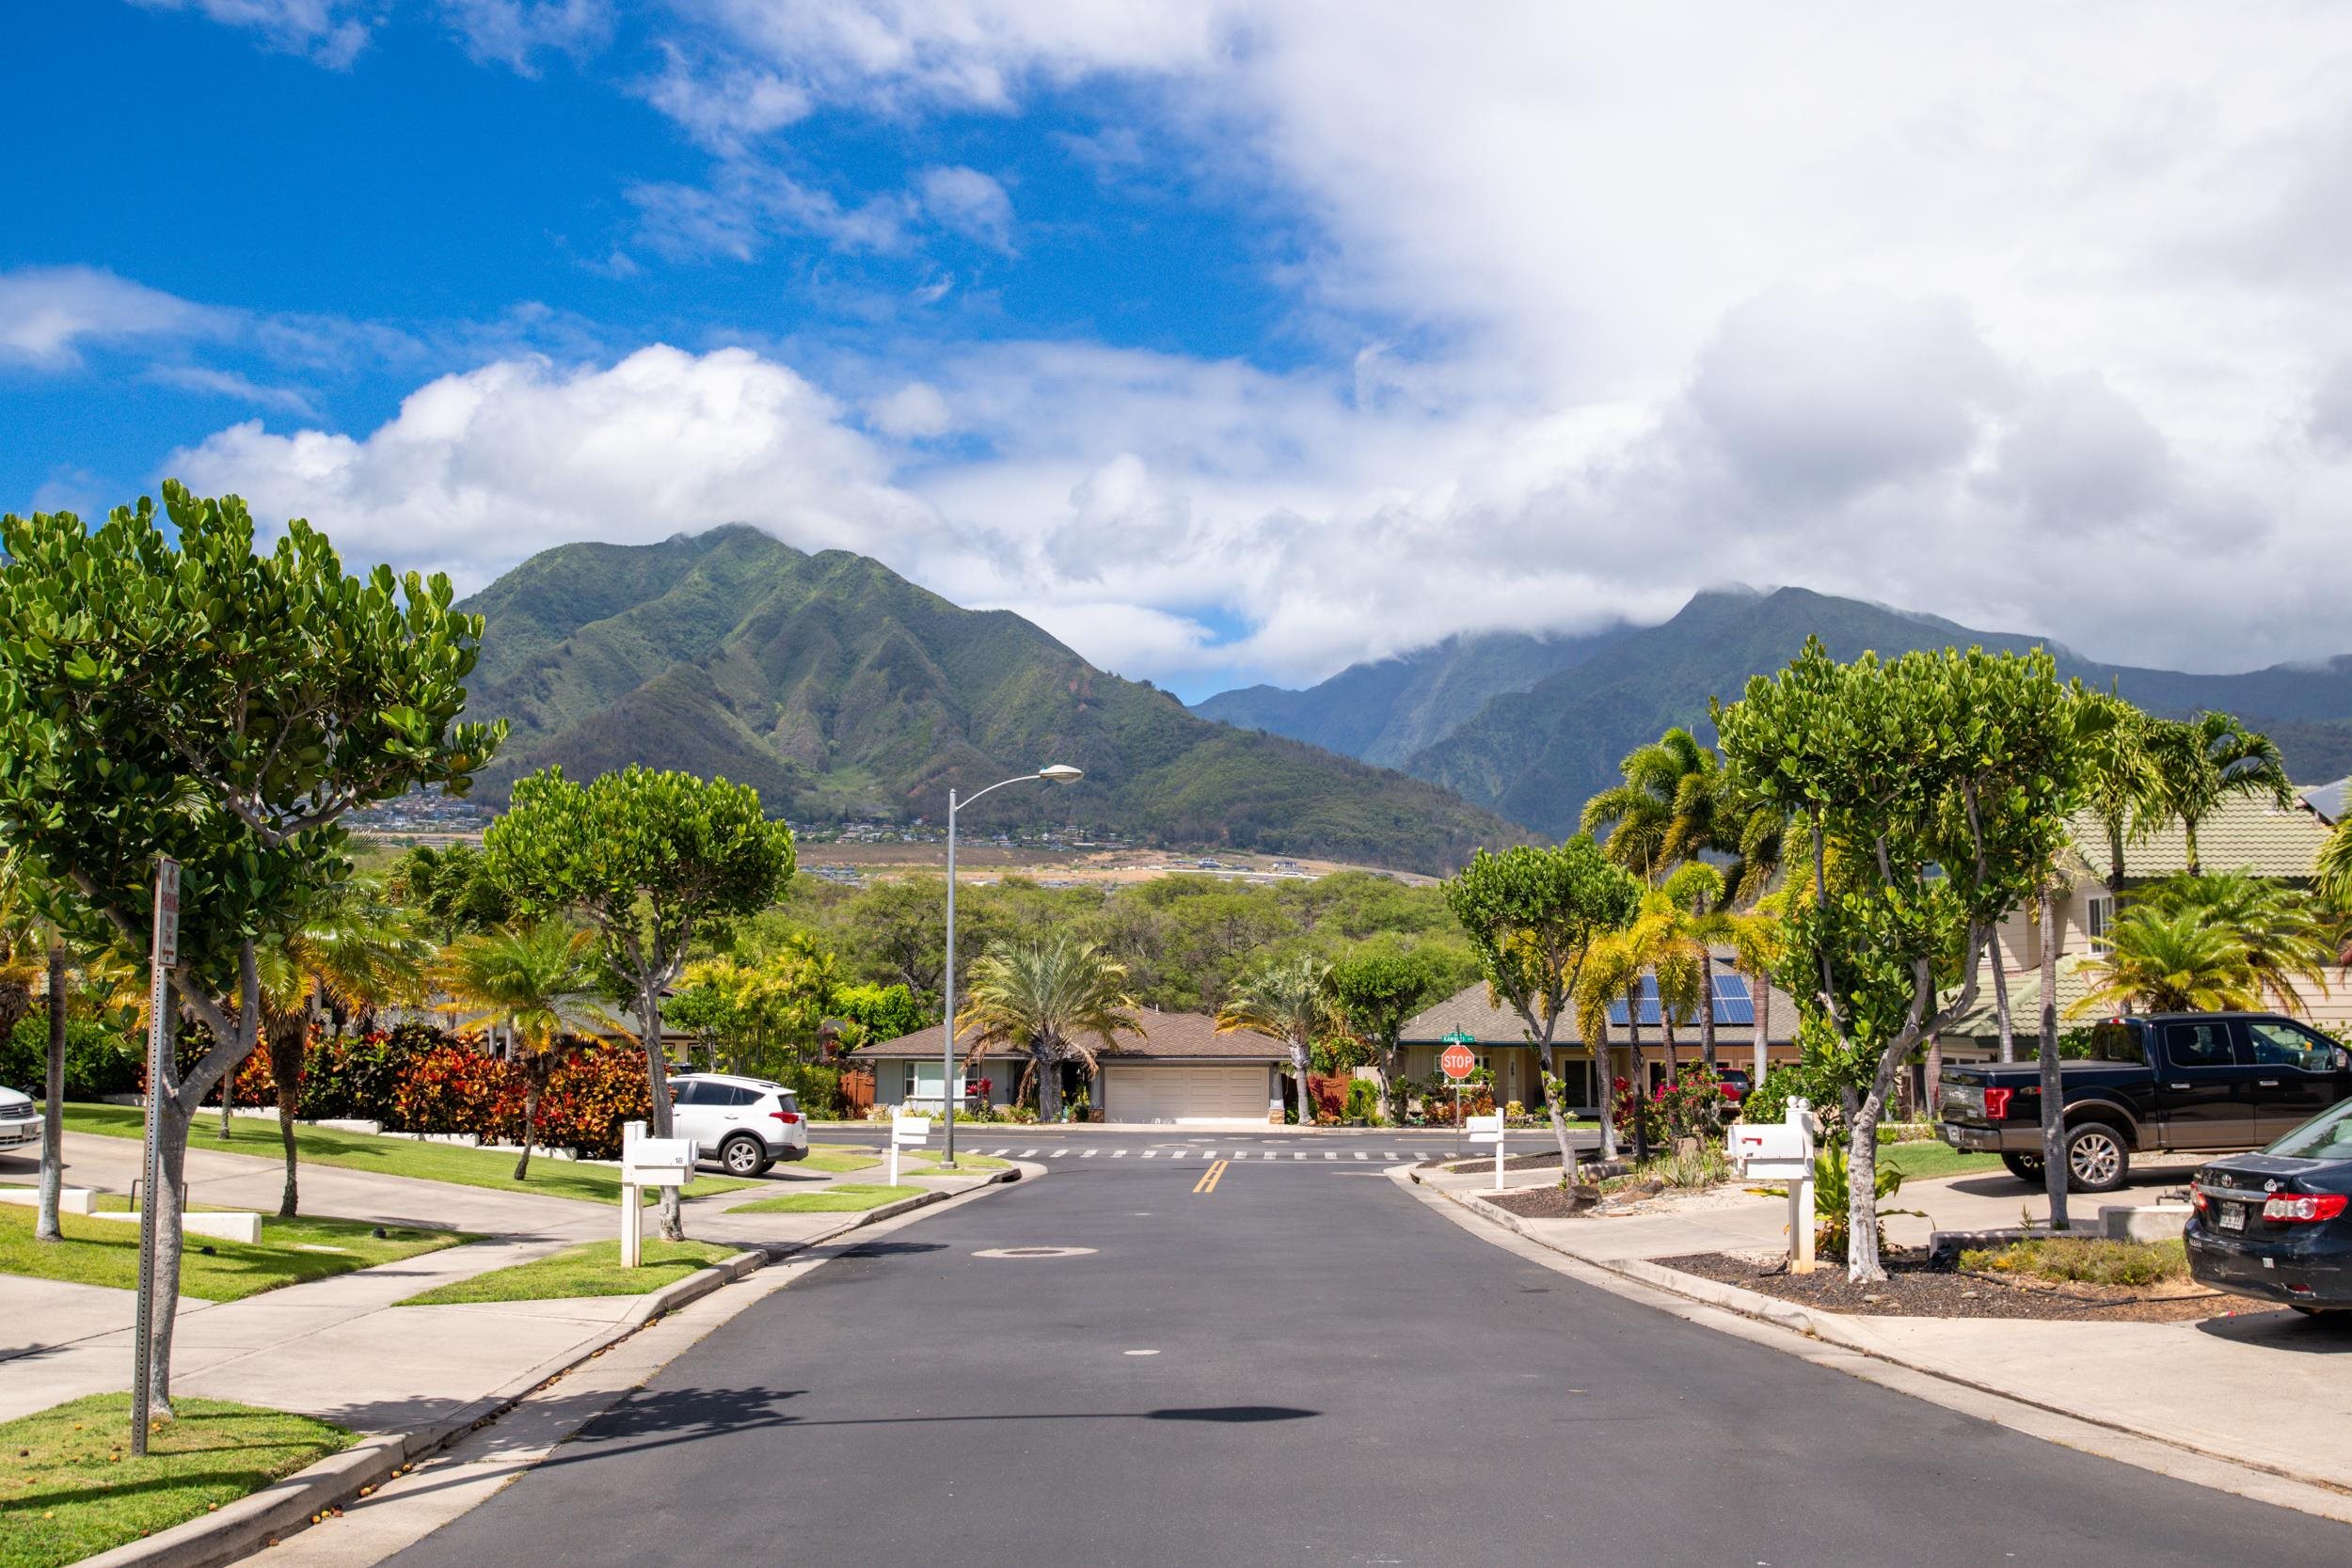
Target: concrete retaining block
x: 2143, y: 1222
x: 71, y: 1201
x: 227, y: 1227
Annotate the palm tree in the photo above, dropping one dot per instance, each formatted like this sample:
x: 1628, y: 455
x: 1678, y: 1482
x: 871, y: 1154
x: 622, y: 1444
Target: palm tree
x: 2284, y: 933
x: 1755, y: 937
x: 2334, y: 869
x: 2197, y: 764
x: 1611, y: 974
x: 2168, y: 962
x: 1650, y: 826
x: 1697, y: 892
x: 541, y: 982
x: 2122, y: 797
x: 1048, y: 1000
x: 1291, y: 1002
x: 352, y: 949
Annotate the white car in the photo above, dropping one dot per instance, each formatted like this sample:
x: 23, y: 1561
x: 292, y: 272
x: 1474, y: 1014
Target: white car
x: 745, y: 1124
x: 20, y: 1121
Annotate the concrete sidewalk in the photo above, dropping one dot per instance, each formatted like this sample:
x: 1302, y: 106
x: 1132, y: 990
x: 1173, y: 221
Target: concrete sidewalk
x: 340, y: 1349
x: 2261, y: 1388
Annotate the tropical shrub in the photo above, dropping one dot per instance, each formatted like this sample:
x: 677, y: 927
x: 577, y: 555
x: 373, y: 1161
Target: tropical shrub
x: 455, y: 1088
x: 1364, y: 1101
x: 1833, y: 1192
x: 97, y: 1060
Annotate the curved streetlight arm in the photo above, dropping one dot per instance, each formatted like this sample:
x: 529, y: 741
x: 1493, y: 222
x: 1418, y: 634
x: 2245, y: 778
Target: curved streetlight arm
x: 948, y: 1096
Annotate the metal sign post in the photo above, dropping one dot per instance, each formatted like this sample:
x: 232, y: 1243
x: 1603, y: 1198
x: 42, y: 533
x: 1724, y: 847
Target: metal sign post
x: 161, y: 957
x: 1457, y: 1062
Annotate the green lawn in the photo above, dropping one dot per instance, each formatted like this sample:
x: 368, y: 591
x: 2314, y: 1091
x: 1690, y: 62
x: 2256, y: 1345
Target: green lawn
x: 849, y: 1198
x: 455, y: 1164
x: 1918, y: 1162
x: 927, y: 1164
x: 68, y: 1488
x: 106, y: 1252
x: 835, y: 1159
x: 591, y: 1269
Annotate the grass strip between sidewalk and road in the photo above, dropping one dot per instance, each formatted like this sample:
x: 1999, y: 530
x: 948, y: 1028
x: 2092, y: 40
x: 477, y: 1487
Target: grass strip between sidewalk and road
x: 591, y: 1269
x: 459, y: 1165
x: 836, y: 1158
x: 848, y: 1198
x: 106, y: 1252
x: 69, y: 1489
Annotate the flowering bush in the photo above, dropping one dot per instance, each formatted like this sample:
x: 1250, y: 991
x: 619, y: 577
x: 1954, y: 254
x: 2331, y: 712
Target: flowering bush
x: 1692, y: 1106
x: 455, y: 1088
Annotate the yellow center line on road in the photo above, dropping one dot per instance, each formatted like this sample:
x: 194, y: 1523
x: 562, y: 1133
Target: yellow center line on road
x: 1209, y: 1179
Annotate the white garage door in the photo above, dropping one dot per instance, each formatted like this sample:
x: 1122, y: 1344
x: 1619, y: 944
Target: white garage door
x: 1187, y: 1094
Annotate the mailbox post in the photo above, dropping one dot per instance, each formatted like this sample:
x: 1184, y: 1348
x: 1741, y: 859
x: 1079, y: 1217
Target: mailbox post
x: 907, y: 1133
x: 1766, y: 1151
x: 647, y: 1162
x: 1489, y: 1129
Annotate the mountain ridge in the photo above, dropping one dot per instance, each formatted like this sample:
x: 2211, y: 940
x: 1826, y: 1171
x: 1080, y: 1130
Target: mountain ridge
x: 839, y: 688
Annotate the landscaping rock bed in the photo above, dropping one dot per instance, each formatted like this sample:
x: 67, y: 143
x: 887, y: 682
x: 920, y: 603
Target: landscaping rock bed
x: 1546, y: 1203
x: 1915, y: 1289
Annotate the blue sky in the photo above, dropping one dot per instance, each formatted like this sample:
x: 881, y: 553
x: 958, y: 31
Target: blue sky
x: 1228, y: 340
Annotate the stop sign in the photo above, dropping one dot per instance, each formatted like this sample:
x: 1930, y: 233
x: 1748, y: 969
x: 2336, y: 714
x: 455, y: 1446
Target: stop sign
x: 1458, y: 1061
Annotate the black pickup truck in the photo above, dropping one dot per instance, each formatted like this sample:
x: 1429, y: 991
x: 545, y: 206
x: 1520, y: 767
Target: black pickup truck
x: 2188, y: 1082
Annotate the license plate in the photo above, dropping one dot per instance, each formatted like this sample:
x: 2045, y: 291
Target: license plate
x: 2234, y: 1216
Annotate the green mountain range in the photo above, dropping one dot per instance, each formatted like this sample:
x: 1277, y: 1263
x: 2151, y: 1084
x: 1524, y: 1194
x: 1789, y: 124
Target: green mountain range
x: 841, y: 690
x: 1536, y: 752
x: 1386, y: 711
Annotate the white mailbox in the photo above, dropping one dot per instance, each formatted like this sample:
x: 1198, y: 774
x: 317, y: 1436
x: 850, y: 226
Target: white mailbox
x: 1485, y: 1129
x: 910, y: 1130
x: 658, y: 1163
x: 1774, y: 1151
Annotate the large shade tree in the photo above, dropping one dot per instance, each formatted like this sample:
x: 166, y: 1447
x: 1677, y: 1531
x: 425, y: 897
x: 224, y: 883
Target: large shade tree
x: 1533, y: 916
x: 1939, y: 784
x: 1376, y: 991
x: 648, y: 859
x: 179, y: 694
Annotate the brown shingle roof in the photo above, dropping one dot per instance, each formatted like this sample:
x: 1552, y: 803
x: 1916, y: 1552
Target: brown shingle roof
x: 1469, y: 1012
x: 1164, y: 1036
x: 2240, y: 835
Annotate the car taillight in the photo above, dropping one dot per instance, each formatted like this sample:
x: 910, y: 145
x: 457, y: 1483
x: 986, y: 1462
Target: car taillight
x: 2303, y: 1208
x: 790, y: 1119
x: 2196, y: 1199
x: 1996, y: 1104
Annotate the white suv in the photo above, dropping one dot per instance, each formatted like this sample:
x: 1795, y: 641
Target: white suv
x: 20, y: 1119
x: 746, y: 1124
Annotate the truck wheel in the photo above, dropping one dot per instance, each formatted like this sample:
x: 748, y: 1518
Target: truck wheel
x: 2026, y: 1168
x: 2096, y: 1158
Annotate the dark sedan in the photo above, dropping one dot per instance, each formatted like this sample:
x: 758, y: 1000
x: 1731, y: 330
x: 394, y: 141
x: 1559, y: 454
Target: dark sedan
x: 2275, y: 1225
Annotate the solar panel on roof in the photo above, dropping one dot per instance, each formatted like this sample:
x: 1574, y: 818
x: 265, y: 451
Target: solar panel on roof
x: 1733, y: 1006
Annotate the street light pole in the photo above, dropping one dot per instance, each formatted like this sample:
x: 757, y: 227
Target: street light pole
x: 1056, y: 773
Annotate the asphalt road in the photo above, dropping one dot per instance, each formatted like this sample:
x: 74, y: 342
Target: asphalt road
x: 1294, y: 1363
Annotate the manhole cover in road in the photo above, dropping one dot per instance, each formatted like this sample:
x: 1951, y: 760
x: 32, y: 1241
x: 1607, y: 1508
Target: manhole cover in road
x: 1035, y: 1252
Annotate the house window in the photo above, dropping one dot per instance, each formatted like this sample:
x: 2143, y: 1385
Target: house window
x: 924, y: 1080
x: 2099, y: 915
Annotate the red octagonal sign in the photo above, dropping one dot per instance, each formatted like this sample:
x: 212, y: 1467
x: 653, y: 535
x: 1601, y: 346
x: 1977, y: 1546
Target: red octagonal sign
x: 1458, y: 1061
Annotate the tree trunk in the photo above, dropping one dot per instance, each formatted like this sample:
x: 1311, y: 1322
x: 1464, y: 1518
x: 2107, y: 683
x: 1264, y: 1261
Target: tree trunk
x: 1666, y: 1029
x: 173, y: 1121
x: 531, y: 1121
x: 1639, y: 1095
x: 1605, y: 1069
x: 2001, y: 995
x: 1707, y: 1012
x: 658, y: 1075
x: 1553, y: 1093
x: 2052, y: 1088
x: 1389, y: 1057
x: 287, y: 1037
x: 1048, y: 1085
x: 1763, y: 1030
x: 53, y: 1104
x: 2188, y: 831
x: 1863, y: 1266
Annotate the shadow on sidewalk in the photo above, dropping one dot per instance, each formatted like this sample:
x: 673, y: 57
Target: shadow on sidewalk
x: 2281, y: 1329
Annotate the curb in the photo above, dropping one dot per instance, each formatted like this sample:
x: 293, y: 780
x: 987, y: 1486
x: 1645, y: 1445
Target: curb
x: 1832, y: 1329
x: 290, y: 1503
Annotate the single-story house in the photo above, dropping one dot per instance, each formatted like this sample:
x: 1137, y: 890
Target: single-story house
x: 1499, y: 1039
x: 1176, y: 1070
